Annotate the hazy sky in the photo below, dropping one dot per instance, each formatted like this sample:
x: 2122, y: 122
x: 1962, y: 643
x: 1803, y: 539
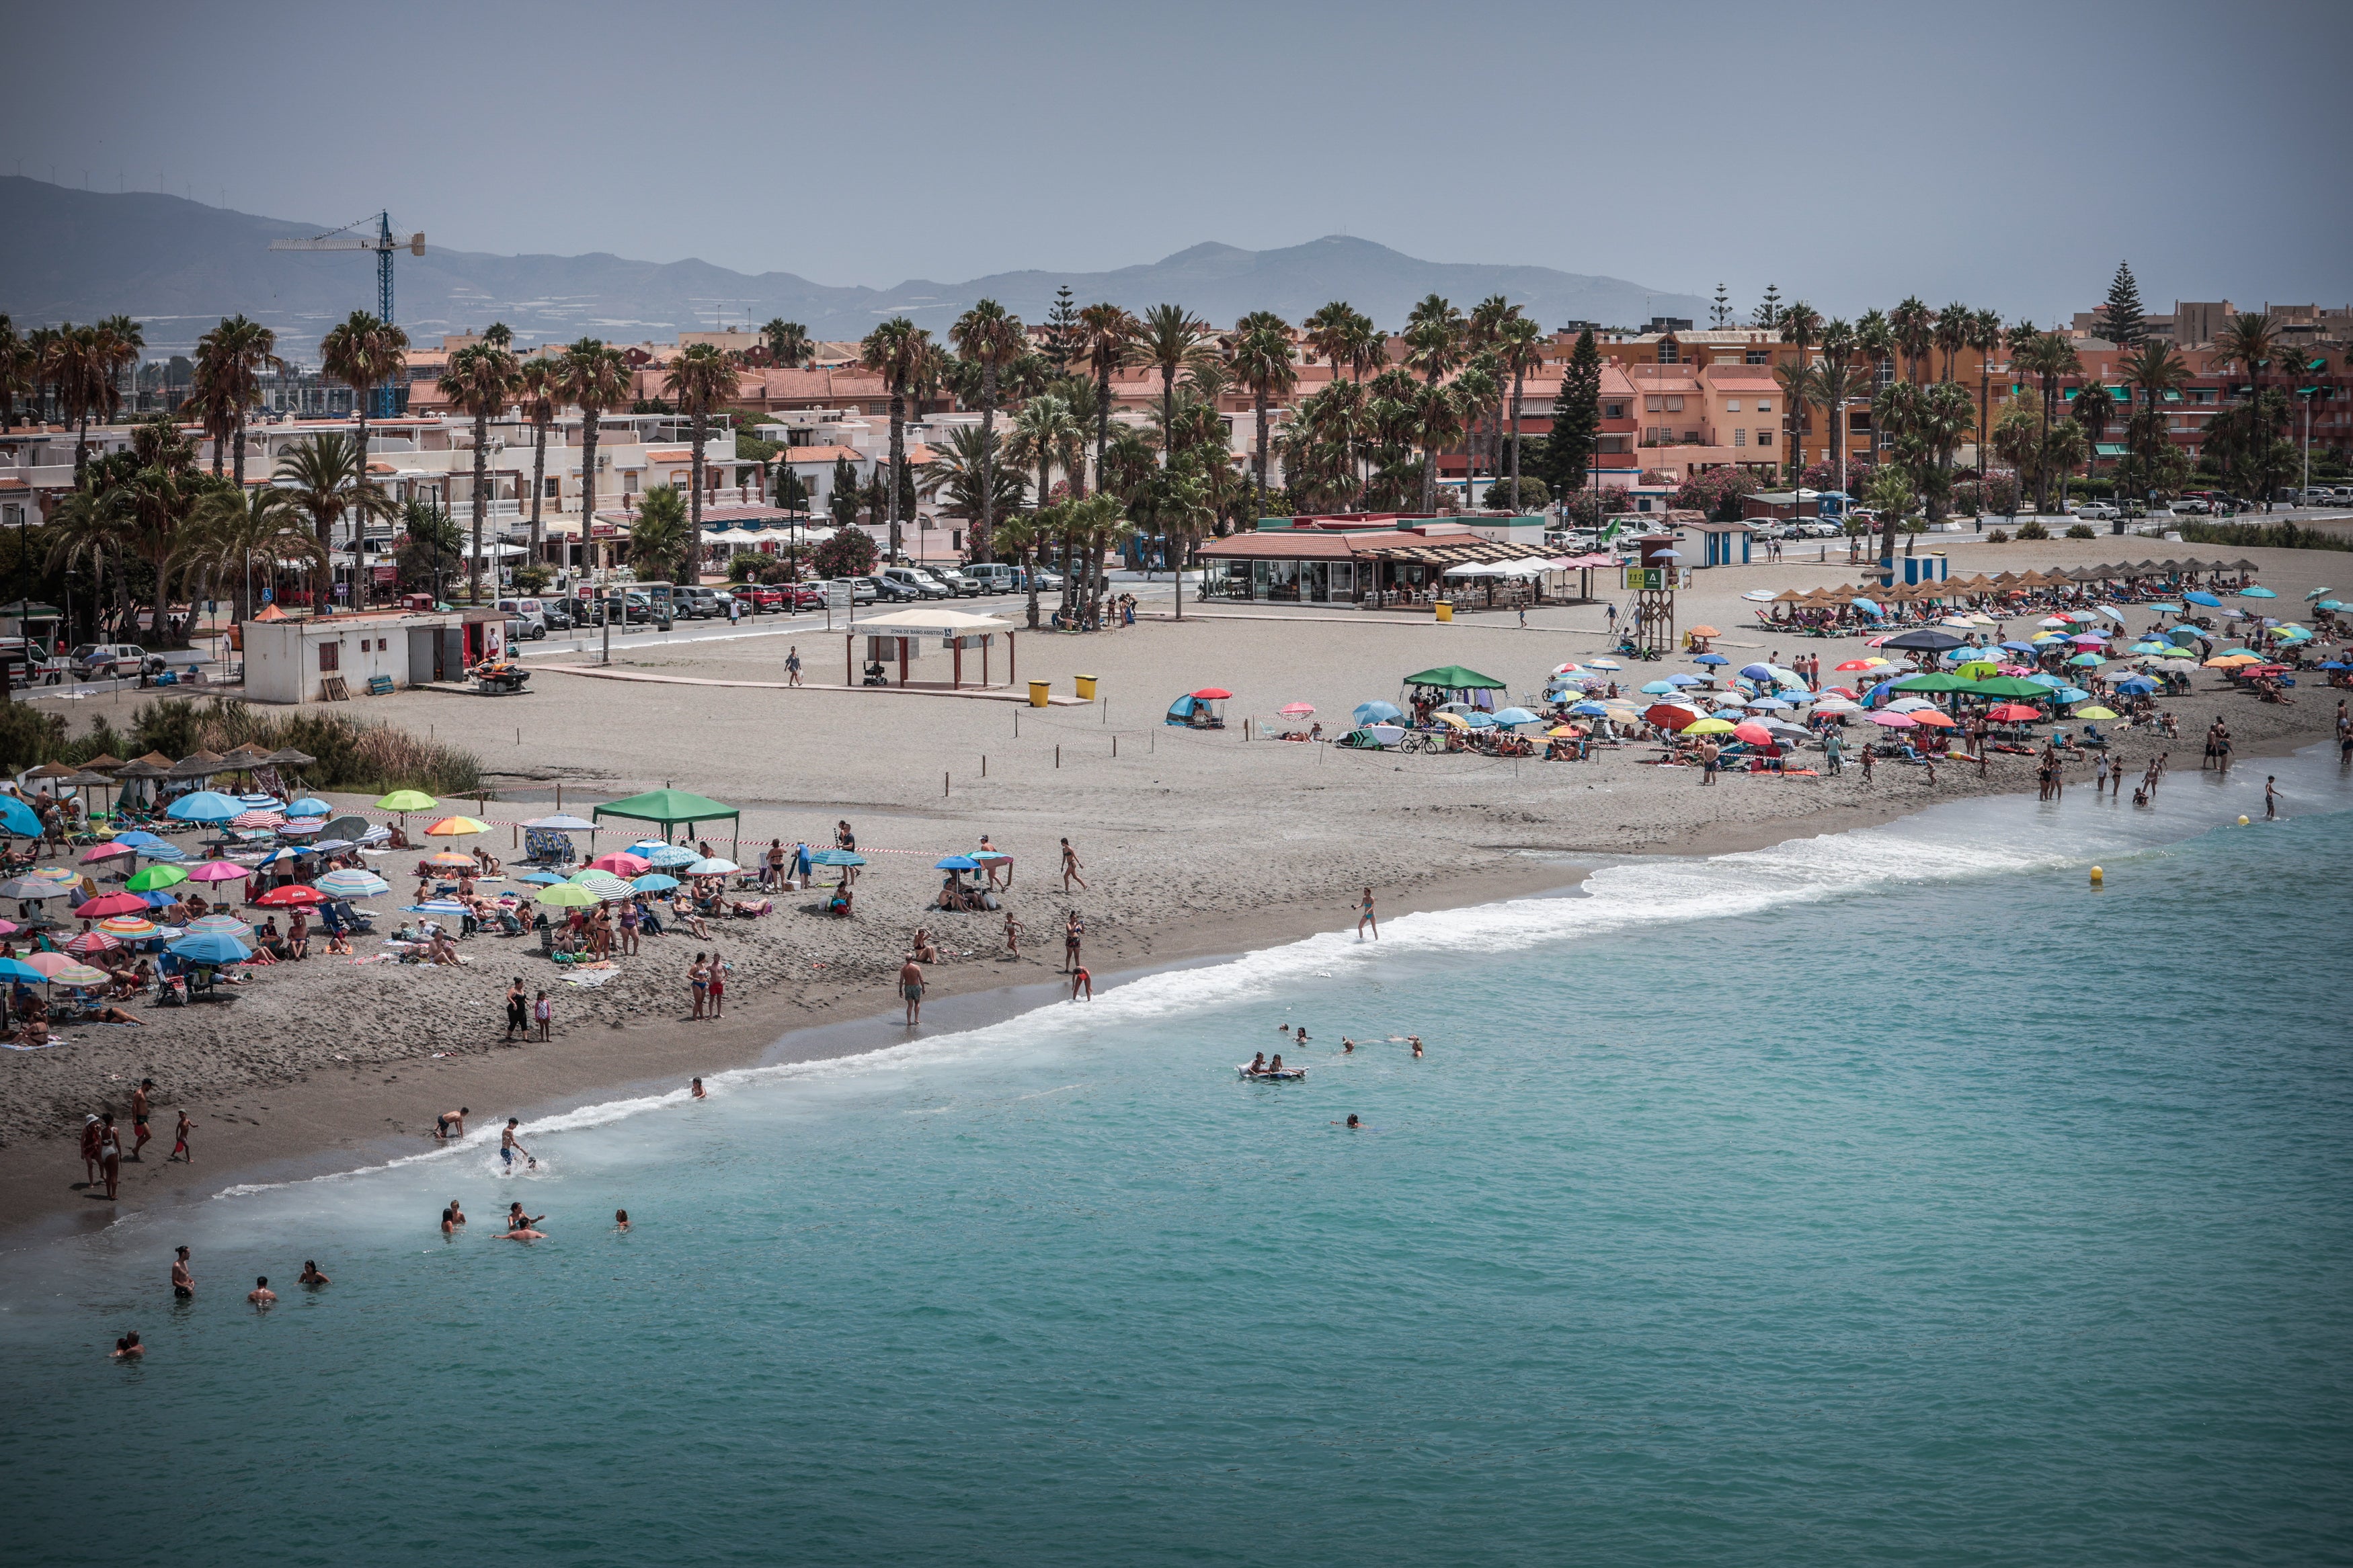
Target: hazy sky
x: 2003, y: 154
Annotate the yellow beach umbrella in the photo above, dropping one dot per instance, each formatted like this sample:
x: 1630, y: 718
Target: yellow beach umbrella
x: 2093, y: 712
x: 1455, y: 720
x: 1709, y: 727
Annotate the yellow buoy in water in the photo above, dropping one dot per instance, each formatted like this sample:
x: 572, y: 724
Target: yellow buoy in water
x: 2242, y: 822
x: 2096, y: 877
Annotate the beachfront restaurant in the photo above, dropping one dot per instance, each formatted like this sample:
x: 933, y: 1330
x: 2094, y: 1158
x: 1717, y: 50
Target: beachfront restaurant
x: 1371, y: 564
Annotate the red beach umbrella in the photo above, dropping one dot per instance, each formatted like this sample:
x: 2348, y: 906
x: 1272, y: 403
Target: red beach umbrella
x: 1752, y: 732
x: 107, y: 904
x: 292, y: 893
x: 1212, y: 694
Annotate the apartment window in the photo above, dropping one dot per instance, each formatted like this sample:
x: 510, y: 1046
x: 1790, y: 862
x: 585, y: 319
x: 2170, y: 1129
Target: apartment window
x: 1859, y: 420
x: 1757, y: 356
x: 1764, y: 405
x: 1613, y: 411
x: 1653, y: 404
x: 1765, y: 438
x: 1674, y: 406
x: 1670, y: 353
x: 1732, y: 405
x: 1883, y: 373
x: 1739, y: 438
x: 552, y: 492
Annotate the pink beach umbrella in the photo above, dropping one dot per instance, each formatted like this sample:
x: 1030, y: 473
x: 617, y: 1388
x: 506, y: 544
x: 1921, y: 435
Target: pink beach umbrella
x: 106, y: 852
x: 49, y: 964
x: 621, y: 864
x: 219, y: 871
x: 1892, y: 721
x: 91, y: 942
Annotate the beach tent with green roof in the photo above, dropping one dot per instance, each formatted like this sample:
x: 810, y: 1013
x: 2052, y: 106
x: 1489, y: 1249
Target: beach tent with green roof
x: 668, y: 808
x: 1454, y: 677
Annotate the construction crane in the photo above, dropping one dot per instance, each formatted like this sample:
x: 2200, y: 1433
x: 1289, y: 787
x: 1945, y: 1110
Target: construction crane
x: 384, y: 242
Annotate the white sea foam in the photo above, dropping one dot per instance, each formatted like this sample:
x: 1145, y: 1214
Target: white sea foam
x: 1978, y: 837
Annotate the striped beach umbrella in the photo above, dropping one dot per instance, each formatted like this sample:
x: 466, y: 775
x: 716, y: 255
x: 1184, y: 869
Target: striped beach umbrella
x: 352, y: 883
x: 603, y: 886
x: 456, y: 828
x: 80, y: 974
x: 92, y: 942
x: 129, y: 927
x: 253, y: 820
x: 219, y: 925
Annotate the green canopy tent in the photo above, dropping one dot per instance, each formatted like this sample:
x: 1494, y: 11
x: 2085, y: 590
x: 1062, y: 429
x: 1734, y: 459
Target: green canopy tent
x: 1453, y: 680
x: 672, y: 808
x: 2015, y: 686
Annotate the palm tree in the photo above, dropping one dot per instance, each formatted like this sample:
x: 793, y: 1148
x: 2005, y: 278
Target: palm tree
x: 1520, y: 348
x: 1022, y: 533
x: 2095, y: 408
x: 699, y: 381
x: 1915, y: 330
x: 1800, y: 324
x: 212, y: 401
x: 1109, y: 340
x: 16, y: 361
x: 233, y: 527
x: 991, y: 337
x: 1947, y: 414
x: 1260, y: 357
x: 2252, y: 340
x: 595, y: 377
x: 1951, y: 332
x: 961, y: 467
x: 1984, y: 335
x: 895, y: 351
x: 480, y: 381
x: 538, y: 393
x: 1833, y: 385
x: 2157, y: 369
x: 2047, y: 356
x: 87, y: 529
x: 74, y: 361
x: 1041, y: 437
x: 1437, y: 420
x: 235, y: 354
x: 789, y: 344
x: 1169, y: 337
x: 324, y: 478
x: 1328, y: 331
x: 662, y: 539
x: 363, y: 354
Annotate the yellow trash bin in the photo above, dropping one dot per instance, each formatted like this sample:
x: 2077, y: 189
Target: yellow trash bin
x: 1445, y: 611
x: 1038, y: 690
x: 1086, y: 686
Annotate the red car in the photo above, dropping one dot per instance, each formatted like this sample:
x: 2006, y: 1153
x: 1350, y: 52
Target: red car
x: 759, y: 596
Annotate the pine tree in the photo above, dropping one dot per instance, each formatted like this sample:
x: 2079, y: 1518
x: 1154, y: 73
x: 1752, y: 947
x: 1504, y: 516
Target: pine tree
x: 1720, y: 315
x: 2120, y: 318
x: 1768, y: 309
x: 1576, y: 420
x: 1062, y: 330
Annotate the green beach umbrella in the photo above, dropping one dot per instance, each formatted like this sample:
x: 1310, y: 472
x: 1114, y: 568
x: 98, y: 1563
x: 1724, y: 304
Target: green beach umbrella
x: 406, y: 800
x: 567, y: 896
x: 155, y: 878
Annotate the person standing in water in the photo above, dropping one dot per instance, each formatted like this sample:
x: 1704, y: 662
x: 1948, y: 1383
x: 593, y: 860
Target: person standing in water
x: 1081, y: 981
x: 1365, y: 917
x: 183, y: 1279
x: 510, y: 1145
x: 910, y: 986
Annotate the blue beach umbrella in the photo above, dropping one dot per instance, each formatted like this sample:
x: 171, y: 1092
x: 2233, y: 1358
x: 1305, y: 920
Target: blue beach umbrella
x: 1757, y: 672
x: 1508, y: 717
x: 671, y: 855
x: 203, y: 805
x: 1679, y: 678
x: 1868, y: 607
x: 1587, y: 711
x: 1659, y: 687
x: 2073, y: 694
x: 836, y: 857
x: 211, y: 947
x: 1712, y: 659
x: 2167, y: 609
x: 2257, y: 594
x: 653, y: 882
x: 310, y: 805
x: 2138, y: 686
x: 956, y: 863
x: 17, y: 969
x: 544, y: 879
x: 2209, y: 600
x: 1378, y: 712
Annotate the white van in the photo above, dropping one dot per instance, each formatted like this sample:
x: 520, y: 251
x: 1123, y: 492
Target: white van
x: 994, y: 576
x: 532, y: 613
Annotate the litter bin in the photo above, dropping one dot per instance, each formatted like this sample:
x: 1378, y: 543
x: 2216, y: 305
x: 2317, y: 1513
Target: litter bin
x: 1038, y: 690
x: 1086, y: 684
x: 1445, y: 611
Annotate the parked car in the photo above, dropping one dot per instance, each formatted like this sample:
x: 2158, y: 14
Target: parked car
x: 795, y: 597
x: 532, y: 610
x: 1048, y: 580
x: 1825, y: 530
x: 696, y: 603
x: 523, y: 628
x: 2097, y: 512
x: 2192, y: 506
x: 864, y: 590
x: 993, y: 576
x: 889, y: 587
x: 104, y: 661
x: 954, y: 581
x: 2315, y: 496
x: 925, y: 584
x: 557, y: 613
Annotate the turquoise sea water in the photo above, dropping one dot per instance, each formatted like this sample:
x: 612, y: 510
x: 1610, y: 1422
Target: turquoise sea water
x: 1884, y: 1197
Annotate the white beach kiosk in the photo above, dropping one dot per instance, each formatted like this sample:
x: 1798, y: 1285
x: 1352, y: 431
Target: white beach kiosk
x: 899, y: 638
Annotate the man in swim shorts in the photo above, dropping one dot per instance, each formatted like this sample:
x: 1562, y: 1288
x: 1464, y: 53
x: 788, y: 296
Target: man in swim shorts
x: 910, y: 986
x: 183, y: 1282
x: 451, y: 1123
x: 510, y: 1146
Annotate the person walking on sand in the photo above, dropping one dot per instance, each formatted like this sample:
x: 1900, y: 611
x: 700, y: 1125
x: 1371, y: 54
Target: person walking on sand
x: 1365, y: 917
x: 518, y: 1014
x: 910, y: 986
x: 109, y: 1154
x: 793, y: 666
x: 1074, y: 931
x: 89, y: 1136
x: 543, y: 1011
x: 1070, y: 868
x: 1013, y: 928
x: 1865, y: 755
x: 180, y: 1150
x: 772, y: 864
x: 183, y: 1279
x: 140, y: 1134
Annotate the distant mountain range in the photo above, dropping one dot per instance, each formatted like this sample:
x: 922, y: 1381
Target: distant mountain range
x: 179, y: 265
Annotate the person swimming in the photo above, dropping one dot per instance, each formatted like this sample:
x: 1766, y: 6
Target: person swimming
x: 1346, y: 1045
x: 620, y: 1219
x: 1416, y: 1041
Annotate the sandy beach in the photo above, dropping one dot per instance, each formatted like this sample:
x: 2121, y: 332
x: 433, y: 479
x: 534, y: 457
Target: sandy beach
x: 1192, y: 844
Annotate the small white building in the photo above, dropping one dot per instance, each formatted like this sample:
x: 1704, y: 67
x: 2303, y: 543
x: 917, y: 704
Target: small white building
x: 293, y: 660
